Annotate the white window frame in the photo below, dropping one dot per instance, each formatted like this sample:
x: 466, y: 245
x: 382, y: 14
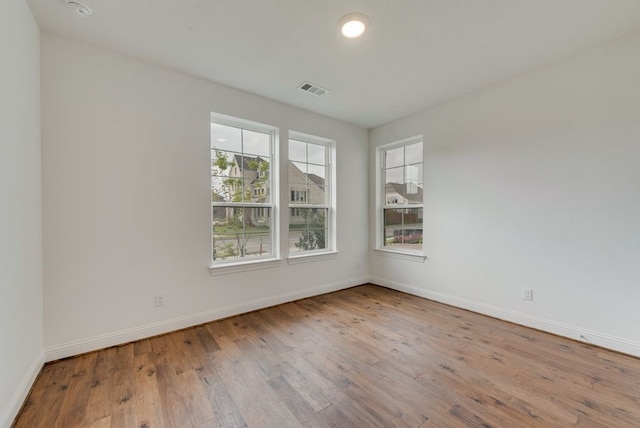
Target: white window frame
x: 330, y: 200
x: 382, y: 203
x: 218, y: 267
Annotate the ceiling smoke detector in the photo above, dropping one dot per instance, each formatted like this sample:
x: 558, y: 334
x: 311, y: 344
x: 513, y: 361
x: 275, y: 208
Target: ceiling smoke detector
x: 313, y: 89
x: 81, y: 8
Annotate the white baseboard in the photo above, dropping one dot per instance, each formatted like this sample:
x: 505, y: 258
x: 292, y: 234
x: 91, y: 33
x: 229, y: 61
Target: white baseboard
x: 124, y: 336
x: 12, y: 409
x: 587, y: 336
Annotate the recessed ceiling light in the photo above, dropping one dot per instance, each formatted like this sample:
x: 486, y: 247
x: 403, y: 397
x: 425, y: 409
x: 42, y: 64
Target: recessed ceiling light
x: 353, y: 25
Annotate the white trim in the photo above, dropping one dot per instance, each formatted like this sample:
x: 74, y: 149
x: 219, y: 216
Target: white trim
x: 404, y: 142
x: 308, y: 138
x: 244, y: 266
x: 224, y: 119
x: 322, y: 207
x: 17, y: 400
x: 274, y: 170
x: 603, y: 340
x: 330, y: 185
x: 381, y: 200
x: 413, y: 257
x: 128, y: 335
x: 307, y: 257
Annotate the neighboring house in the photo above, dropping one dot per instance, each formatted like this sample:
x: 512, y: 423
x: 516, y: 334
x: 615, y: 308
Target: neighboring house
x: 304, y: 188
x: 250, y: 181
x: 396, y: 222
x: 398, y: 193
x: 249, y: 176
x: 253, y: 171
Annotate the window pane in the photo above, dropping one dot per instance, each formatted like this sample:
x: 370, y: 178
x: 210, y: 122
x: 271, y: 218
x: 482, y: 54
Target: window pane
x: 320, y: 172
x: 308, y: 183
x: 241, y: 174
x: 297, y: 151
x: 317, y: 195
x: 394, y: 157
x: 307, y: 229
x: 225, y: 137
x: 236, y: 177
x: 259, y: 193
x: 241, y: 232
x: 217, y: 190
x: 413, y: 222
x: 226, y: 176
x: 298, y: 173
x: 218, y: 215
x: 317, y: 154
x: 255, y: 143
x: 413, y: 184
x: 316, y: 184
x: 394, y: 175
x: 221, y: 162
x: 413, y: 174
x: 394, y: 186
x: 392, y: 225
x: 413, y: 153
x: 403, y: 228
x: 403, y: 175
x: 298, y: 196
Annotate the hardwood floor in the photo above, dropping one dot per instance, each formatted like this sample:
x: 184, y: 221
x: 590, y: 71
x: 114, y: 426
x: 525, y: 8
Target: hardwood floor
x: 363, y: 357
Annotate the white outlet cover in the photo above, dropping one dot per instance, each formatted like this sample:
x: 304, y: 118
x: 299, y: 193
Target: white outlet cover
x: 160, y: 299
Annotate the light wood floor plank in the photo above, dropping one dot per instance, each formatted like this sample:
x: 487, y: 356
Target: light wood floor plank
x: 362, y: 357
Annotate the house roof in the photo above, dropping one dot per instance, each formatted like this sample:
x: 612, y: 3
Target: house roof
x: 315, y: 179
x: 248, y: 163
x: 400, y: 189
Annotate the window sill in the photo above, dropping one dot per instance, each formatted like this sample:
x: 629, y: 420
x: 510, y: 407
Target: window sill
x: 315, y: 257
x: 413, y: 257
x: 224, y: 269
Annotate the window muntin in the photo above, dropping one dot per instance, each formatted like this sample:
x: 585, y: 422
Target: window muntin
x: 310, y: 196
x: 241, y: 202
x: 402, y: 196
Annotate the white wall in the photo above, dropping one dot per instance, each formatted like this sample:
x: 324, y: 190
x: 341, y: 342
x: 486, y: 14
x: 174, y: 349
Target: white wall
x: 126, y: 200
x: 535, y: 182
x: 21, y: 351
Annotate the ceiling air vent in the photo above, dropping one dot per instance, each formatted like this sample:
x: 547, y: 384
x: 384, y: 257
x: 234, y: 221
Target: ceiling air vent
x: 313, y: 89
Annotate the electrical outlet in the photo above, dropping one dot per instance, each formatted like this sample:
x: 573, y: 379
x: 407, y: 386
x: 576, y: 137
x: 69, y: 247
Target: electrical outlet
x: 160, y: 299
x: 527, y: 294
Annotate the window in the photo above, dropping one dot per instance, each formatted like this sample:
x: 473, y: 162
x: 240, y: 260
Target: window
x: 311, y: 196
x: 401, y: 193
x: 299, y: 196
x: 242, y: 203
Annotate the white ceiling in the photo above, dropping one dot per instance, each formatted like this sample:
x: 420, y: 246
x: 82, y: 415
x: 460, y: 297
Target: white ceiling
x: 415, y: 54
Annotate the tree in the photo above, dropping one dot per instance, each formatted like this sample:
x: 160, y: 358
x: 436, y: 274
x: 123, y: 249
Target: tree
x: 313, y: 236
x: 228, y: 187
x: 231, y: 236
